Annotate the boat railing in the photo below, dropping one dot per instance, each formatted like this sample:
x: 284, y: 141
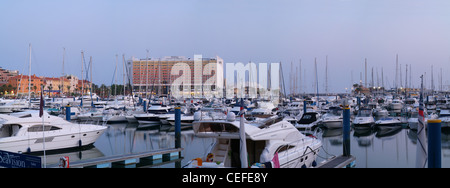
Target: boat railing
x: 287, y: 149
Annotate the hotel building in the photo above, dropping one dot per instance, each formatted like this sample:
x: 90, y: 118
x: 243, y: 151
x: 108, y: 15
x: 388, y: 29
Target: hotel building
x: 159, y: 76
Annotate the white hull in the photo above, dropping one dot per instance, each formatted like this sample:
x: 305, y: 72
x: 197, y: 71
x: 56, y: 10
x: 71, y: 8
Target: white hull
x: 5, y: 110
x: 27, y: 134
x: 131, y: 119
x: 115, y: 119
x: 148, y: 122
x: 396, y: 106
x: 332, y: 124
x: 306, y: 126
x: 52, y: 141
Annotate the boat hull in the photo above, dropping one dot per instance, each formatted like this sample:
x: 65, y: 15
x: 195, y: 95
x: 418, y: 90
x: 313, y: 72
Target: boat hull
x: 53, y: 141
x: 332, y: 124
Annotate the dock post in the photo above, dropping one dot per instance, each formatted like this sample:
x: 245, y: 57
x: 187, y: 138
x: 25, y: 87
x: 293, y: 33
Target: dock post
x: 346, y: 131
x: 304, y: 106
x: 145, y: 106
x: 68, y: 112
x: 178, y: 129
x: 434, y: 143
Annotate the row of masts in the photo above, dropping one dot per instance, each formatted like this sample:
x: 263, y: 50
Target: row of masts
x: 296, y: 84
x: 401, y: 81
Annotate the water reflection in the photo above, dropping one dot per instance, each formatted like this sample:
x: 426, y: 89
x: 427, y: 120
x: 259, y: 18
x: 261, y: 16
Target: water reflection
x: 381, y: 148
x: 121, y: 139
x: 391, y: 148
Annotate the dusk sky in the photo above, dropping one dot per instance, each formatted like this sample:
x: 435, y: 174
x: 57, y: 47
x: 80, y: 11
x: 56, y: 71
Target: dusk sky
x: 261, y: 31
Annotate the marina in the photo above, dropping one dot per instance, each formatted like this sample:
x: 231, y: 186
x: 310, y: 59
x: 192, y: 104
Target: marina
x: 382, y: 143
x: 189, y: 84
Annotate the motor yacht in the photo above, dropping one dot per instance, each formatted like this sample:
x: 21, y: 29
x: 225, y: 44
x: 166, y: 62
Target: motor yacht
x: 396, y: 104
x: 308, y: 121
x: 388, y: 122
x: 27, y: 133
x: 269, y: 140
x: 333, y: 118
x: 444, y: 116
x: 364, y: 119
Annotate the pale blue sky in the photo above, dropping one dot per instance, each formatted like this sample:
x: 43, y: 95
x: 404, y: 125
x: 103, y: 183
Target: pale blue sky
x: 238, y: 31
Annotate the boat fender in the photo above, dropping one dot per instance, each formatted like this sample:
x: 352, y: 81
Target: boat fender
x: 314, y: 163
x: 231, y: 117
x: 64, y: 162
x: 304, y: 166
x: 197, y: 116
x: 199, y: 161
x: 79, y: 143
x: 209, y: 157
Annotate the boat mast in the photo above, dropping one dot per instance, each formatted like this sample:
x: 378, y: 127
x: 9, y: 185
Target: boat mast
x: 29, y: 81
x: 317, y: 81
x: 326, y: 75
x: 146, y: 80
x: 123, y: 72
x: 61, y: 92
x: 115, y: 76
x: 82, y: 83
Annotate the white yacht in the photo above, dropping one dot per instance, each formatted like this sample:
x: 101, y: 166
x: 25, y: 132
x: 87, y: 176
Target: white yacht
x: 158, y: 109
x: 333, y: 118
x: 388, y: 122
x: 8, y: 106
x: 264, y: 108
x: 413, y: 120
x: 268, y: 139
x: 26, y: 134
x: 364, y: 119
x: 308, y: 121
x: 396, y: 104
x: 444, y: 115
x: 186, y: 120
x: 147, y: 118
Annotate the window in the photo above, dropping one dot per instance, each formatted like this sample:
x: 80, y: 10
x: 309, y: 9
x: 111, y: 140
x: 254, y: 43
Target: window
x: 38, y: 128
x: 218, y: 127
x: 284, y: 148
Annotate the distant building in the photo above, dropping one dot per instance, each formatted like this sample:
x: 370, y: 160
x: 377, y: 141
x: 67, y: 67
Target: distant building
x: 153, y: 75
x: 21, y: 83
x: 52, y: 86
x: 63, y: 85
x: 5, y: 75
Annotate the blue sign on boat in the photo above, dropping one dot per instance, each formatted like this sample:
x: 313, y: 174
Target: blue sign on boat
x: 15, y: 160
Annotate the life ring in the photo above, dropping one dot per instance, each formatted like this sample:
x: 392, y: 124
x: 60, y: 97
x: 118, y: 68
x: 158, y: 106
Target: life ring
x: 64, y: 162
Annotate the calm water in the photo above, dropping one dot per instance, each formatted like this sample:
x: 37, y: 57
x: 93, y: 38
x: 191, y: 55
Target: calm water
x: 395, y: 148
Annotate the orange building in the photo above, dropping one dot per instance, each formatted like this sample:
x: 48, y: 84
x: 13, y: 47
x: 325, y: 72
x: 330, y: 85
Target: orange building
x: 20, y: 82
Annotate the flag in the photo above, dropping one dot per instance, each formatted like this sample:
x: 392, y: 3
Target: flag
x: 41, y: 106
x: 276, y: 162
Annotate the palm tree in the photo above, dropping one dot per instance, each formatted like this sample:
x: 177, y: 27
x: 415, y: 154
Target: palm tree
x: 68, y: 89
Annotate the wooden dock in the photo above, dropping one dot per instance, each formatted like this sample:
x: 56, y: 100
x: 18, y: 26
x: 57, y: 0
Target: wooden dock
x: 133, y: 160
x: 338, y: 162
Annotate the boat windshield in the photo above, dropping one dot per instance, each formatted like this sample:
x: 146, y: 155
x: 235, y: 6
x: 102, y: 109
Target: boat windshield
x: 444, y: 115
x: 217, y: 127
x: 307, y: 118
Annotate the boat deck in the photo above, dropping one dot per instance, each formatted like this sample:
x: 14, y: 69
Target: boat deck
x: 127, y: 159
x: 337, y: 162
